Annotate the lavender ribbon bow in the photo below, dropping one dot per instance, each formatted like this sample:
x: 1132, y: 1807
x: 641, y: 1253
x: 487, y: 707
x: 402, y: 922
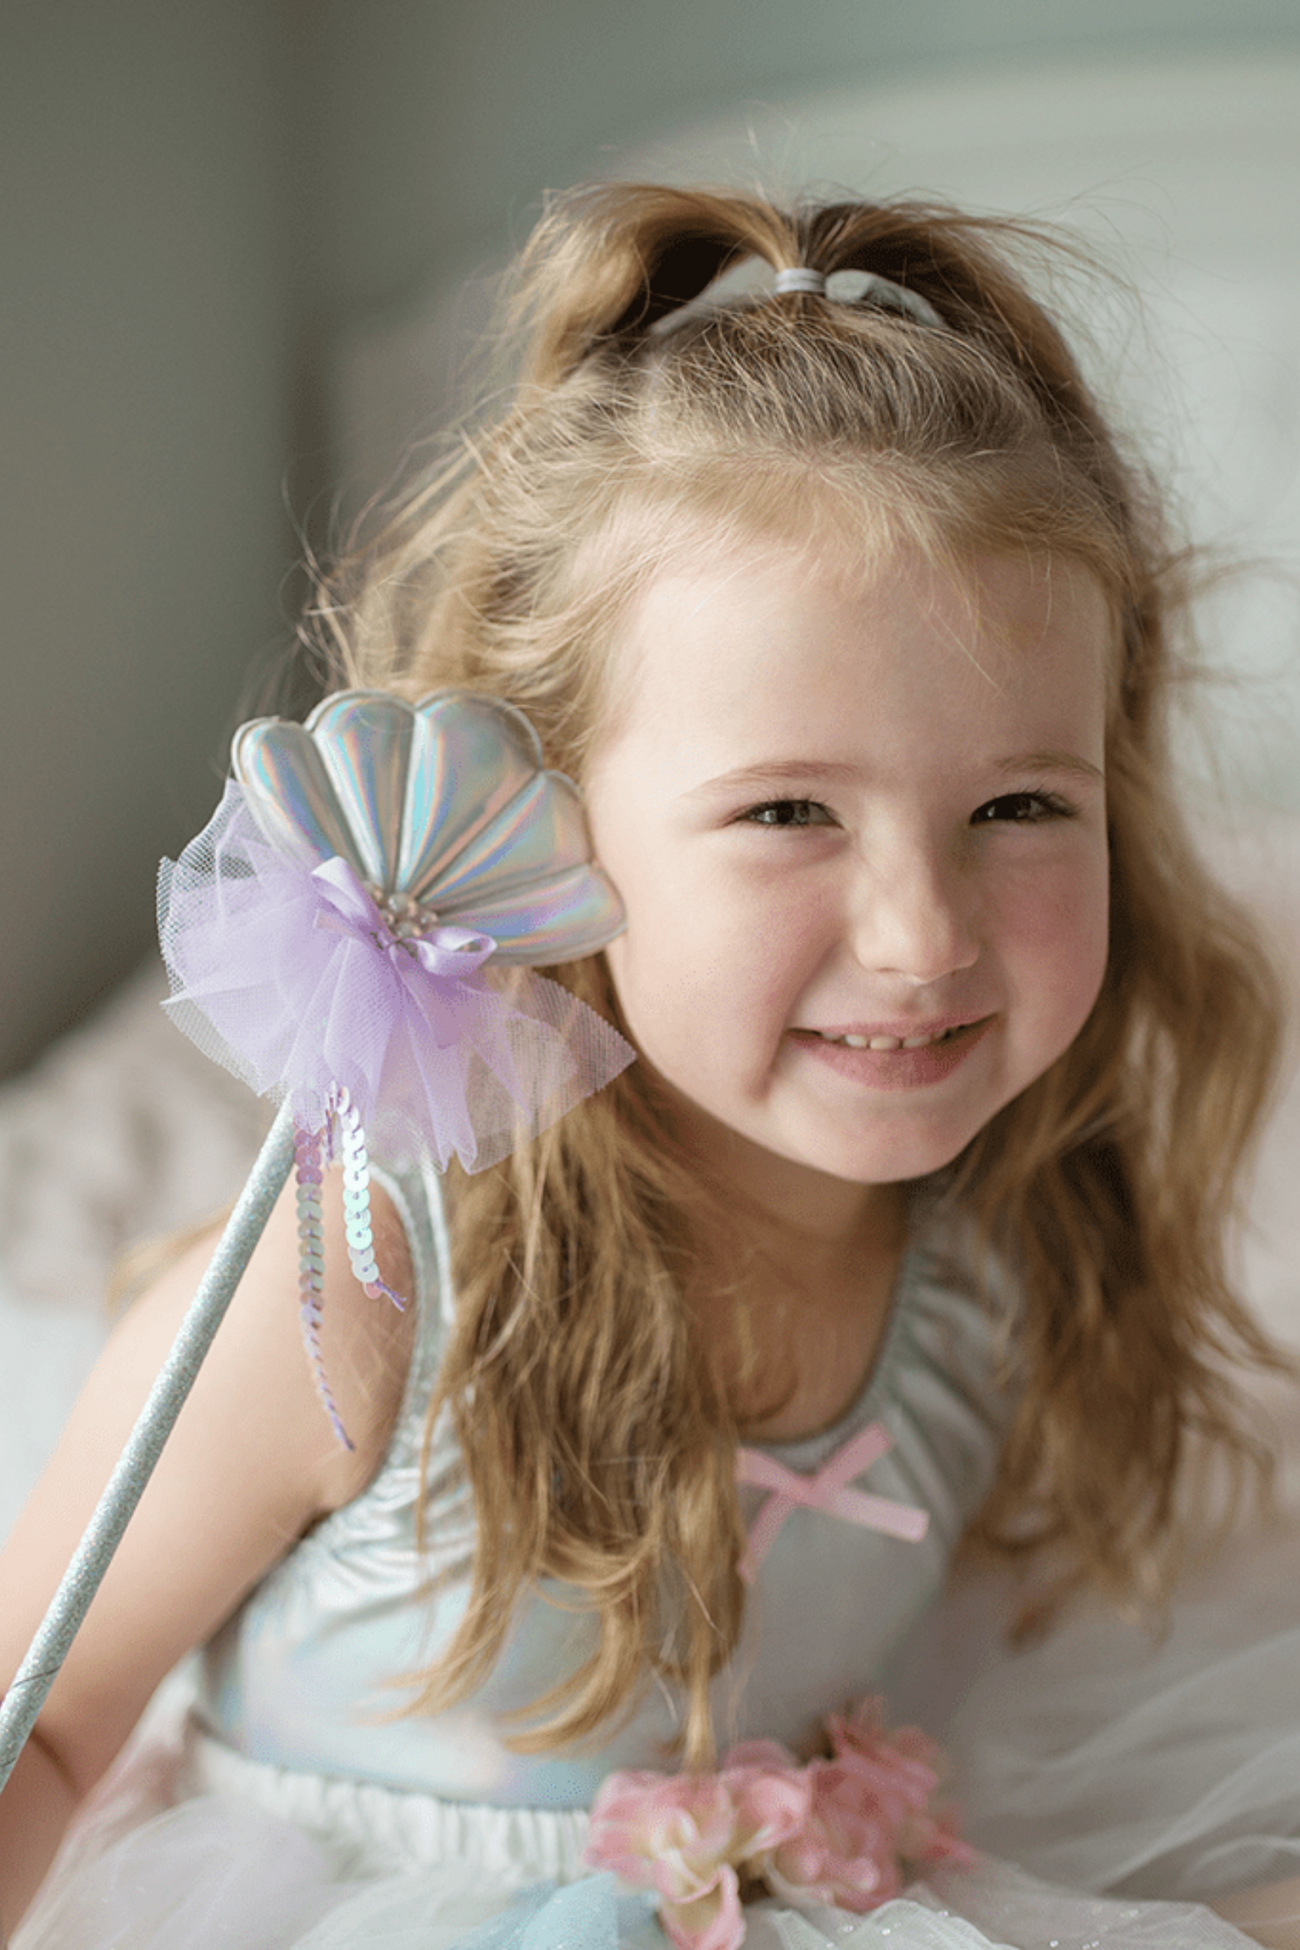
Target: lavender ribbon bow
x: 445, y: 955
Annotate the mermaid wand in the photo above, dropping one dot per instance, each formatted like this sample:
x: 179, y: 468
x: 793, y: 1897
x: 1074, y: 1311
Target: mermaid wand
x: 355, y: 934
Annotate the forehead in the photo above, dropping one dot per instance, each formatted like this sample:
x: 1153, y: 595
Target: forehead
x: 756, y: 640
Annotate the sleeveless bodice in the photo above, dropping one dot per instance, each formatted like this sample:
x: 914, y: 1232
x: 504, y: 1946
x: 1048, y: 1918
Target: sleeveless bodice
x: 306, y: 1675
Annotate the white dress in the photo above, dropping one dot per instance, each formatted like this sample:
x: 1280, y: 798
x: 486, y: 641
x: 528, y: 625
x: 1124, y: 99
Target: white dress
x: 288, y: 1808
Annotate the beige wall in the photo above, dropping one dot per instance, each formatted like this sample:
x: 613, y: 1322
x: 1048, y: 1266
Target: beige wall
x: 144, y: 368
x: 440, y: 122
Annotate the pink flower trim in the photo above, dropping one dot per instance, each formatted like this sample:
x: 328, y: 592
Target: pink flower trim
x: 837, y: 1830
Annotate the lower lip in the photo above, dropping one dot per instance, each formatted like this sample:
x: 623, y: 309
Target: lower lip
x: 899, y: 1069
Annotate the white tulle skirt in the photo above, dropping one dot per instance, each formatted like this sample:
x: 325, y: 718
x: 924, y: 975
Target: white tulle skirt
x: 224, y: 1871
x: 1125, y: 1774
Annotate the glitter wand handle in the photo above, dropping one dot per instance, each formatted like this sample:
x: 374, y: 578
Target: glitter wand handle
x: 25, y: 1697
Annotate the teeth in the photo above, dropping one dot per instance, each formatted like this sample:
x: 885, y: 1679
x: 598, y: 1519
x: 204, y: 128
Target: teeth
x: 889, y: 1042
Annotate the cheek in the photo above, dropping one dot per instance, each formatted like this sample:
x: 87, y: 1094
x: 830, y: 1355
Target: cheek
x: 708, y: 978
x: 1060, y: 938
x: 668, y: 982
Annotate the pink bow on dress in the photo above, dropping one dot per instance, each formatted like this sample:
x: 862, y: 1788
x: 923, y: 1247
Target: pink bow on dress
x: 825, y: 1491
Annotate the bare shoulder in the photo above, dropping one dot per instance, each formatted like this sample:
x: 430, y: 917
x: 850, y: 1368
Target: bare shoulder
x: 252, y: 1464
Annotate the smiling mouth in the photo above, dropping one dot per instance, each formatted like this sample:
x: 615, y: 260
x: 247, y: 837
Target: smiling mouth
x: 886, y: 1043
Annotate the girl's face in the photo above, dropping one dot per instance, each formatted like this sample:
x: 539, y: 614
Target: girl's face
x: 858, y: 824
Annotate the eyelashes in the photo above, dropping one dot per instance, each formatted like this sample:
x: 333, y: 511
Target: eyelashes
x: 1028, y: 808
x: 1023, y: 809
x: 788, y: 813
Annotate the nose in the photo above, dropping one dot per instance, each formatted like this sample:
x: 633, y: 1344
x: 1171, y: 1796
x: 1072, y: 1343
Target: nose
x: 915, y: 912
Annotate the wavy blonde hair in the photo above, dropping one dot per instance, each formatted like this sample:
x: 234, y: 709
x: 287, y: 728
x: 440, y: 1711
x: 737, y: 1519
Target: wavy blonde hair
x: 597, y: 1432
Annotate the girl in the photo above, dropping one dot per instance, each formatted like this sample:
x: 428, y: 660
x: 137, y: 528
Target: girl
x: 841, y: 605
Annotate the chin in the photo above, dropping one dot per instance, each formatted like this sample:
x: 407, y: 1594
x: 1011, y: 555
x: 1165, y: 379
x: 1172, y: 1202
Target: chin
x: 881, y: 1163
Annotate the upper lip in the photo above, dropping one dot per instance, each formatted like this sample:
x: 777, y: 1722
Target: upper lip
x: 898, y: 1028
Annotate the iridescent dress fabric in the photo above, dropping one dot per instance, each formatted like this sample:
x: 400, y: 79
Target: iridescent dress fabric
x: 301, y: 1678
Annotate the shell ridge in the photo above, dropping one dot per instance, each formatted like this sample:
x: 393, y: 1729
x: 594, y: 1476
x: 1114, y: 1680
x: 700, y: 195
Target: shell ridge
x: 271, y: 758
x: 537, y: 826
x: 460, y: 743
x: 561, y: 920
x: 364, y: 738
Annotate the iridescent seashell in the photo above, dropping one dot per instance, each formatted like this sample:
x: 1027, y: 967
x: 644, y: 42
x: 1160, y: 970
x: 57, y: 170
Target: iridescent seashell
x: 445, y: 804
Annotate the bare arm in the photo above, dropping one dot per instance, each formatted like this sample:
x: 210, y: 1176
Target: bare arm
x: 251, y: 1465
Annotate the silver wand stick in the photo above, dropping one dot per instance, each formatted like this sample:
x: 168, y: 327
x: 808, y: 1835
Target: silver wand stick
x: 23, y: 1702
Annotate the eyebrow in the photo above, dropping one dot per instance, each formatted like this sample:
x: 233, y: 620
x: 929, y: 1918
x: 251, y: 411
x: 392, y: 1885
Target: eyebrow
x: 781, y: 771
x: 797, y: 771
x: 1067, y: 764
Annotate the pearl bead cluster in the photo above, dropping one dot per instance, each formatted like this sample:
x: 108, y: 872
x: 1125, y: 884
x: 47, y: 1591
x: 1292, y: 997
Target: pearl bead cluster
x: 407, y: 919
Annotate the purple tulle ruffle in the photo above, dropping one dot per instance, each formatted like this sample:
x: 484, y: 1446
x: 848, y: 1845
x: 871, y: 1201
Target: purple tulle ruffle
x: 293, y: 976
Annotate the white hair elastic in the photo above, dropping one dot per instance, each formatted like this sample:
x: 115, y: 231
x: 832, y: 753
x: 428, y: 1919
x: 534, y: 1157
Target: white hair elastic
x: 856, y: 288
x: 800, y: 278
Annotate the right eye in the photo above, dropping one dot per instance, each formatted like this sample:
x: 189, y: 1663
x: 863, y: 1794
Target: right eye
x: 789, y: 812
x: 1022, y: 809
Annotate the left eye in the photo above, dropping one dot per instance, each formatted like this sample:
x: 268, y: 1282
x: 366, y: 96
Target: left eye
x: 1021, y: 808
x: 789, y: 812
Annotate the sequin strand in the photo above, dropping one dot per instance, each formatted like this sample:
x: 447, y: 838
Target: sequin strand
x: 356, y: 1199
x: 308, y: 1172
x: 313, y: 1150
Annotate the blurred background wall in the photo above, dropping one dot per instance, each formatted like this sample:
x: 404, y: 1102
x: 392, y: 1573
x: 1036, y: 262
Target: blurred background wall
x: 147, y: 321
x: 202, y: 199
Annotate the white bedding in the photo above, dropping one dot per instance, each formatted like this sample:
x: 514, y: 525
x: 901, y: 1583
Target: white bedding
x: 121, y: 1133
